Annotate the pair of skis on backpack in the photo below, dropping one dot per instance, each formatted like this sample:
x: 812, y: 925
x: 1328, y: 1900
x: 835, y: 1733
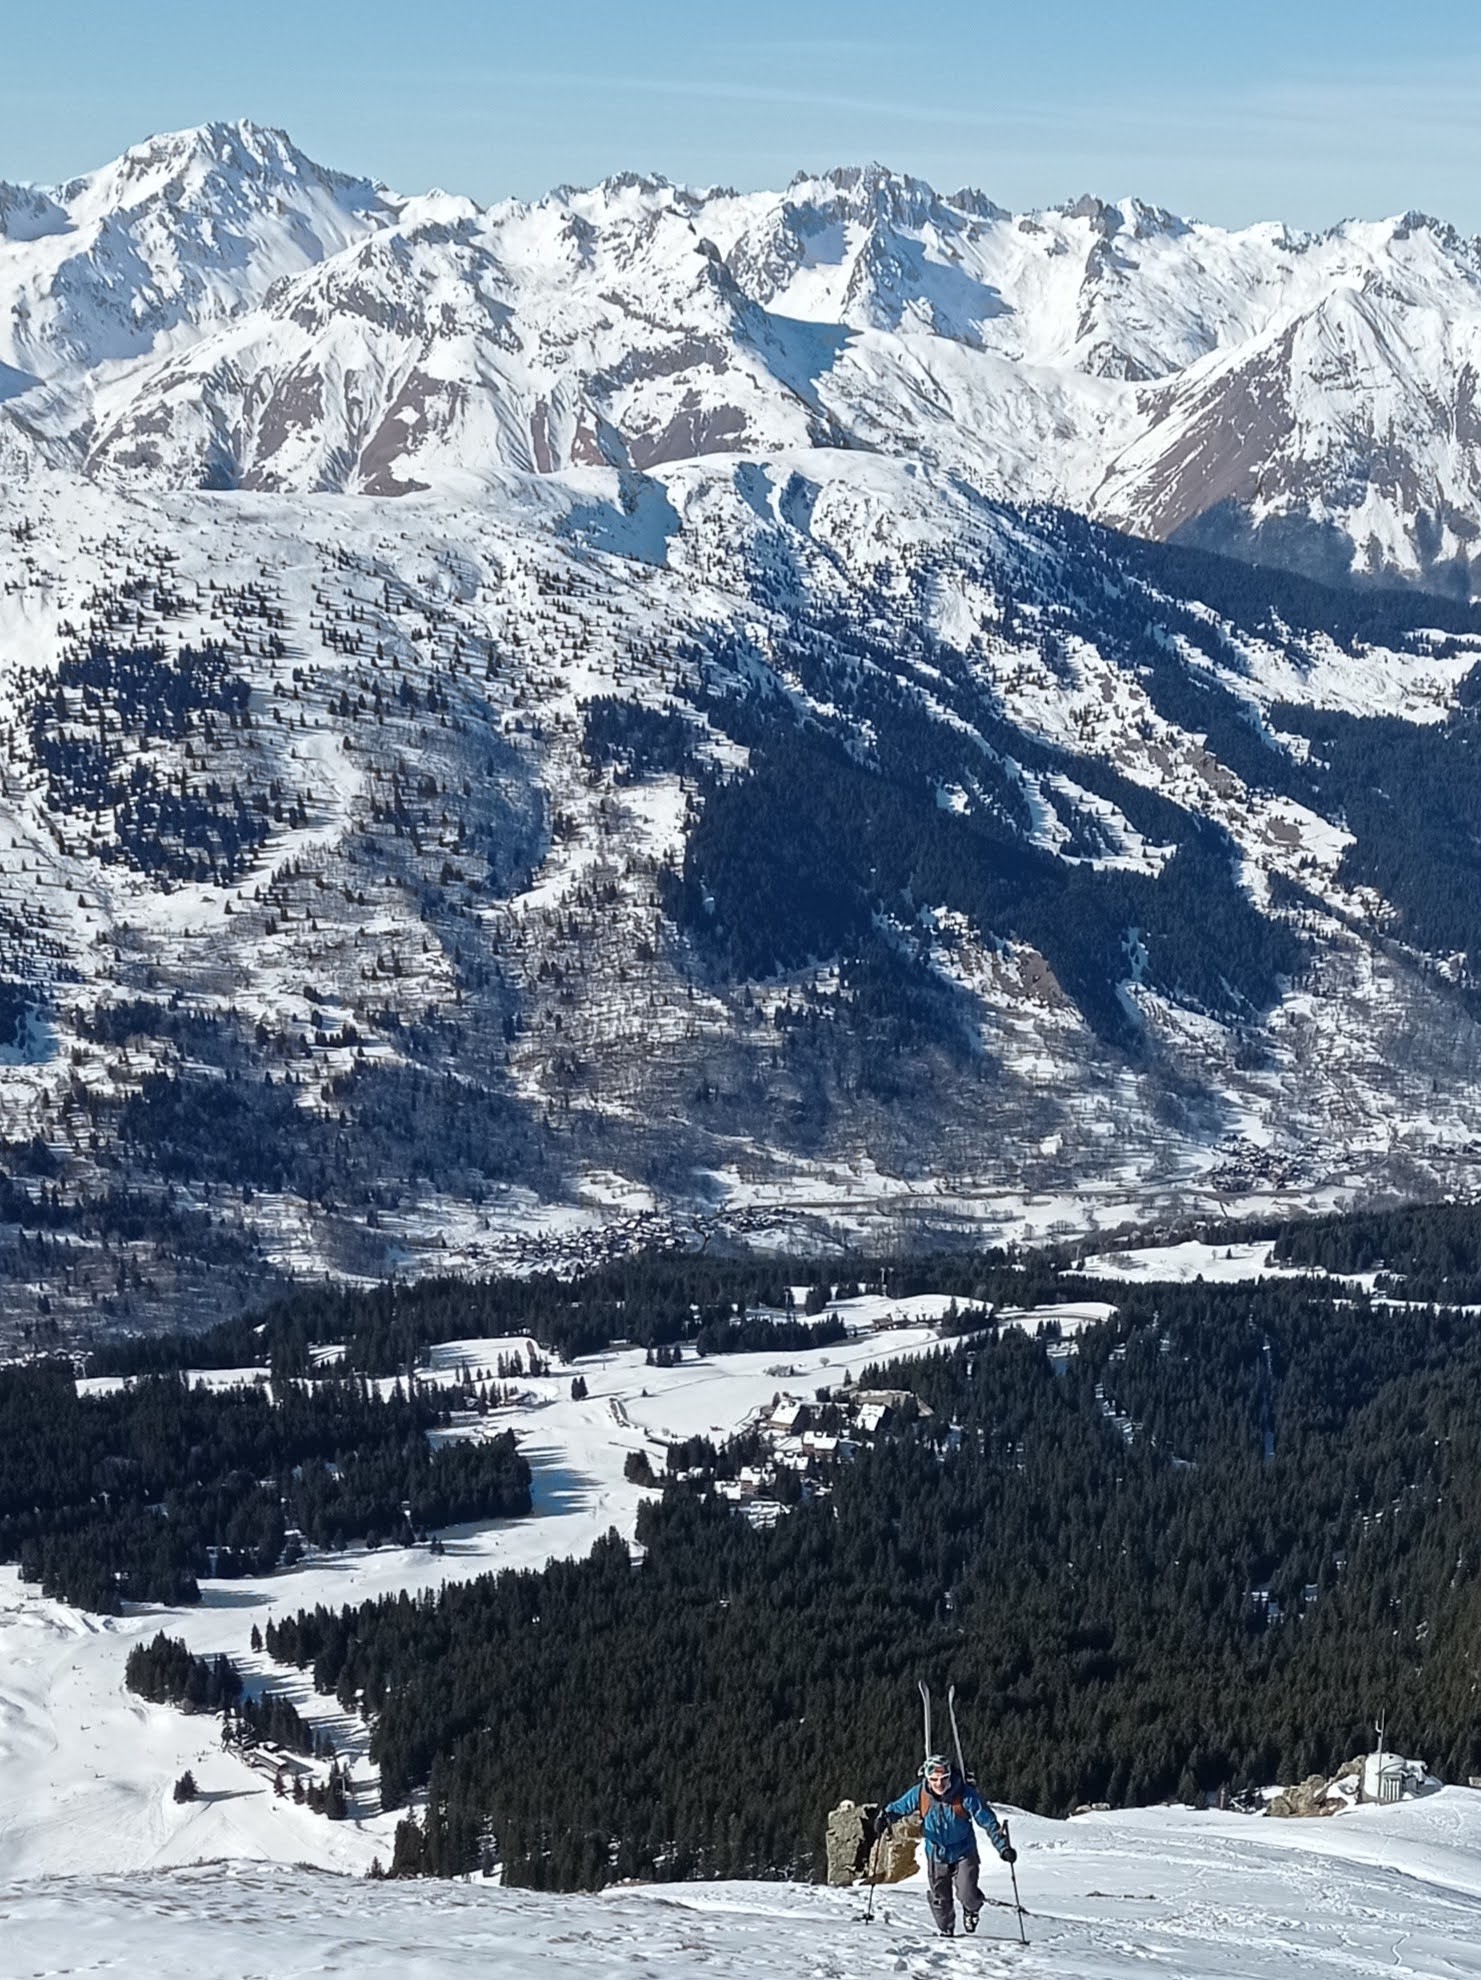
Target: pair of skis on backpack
x: 956, y: 1738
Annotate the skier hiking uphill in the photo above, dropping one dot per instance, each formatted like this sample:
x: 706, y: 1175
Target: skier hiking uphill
x: 948, y: 1803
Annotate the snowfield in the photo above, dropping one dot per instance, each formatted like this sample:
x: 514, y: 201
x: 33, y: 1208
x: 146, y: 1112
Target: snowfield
x: 1159, y: 1890
x: 1225, y: 1264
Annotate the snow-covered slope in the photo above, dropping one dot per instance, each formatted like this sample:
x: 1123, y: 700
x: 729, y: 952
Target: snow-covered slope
x: 313, y: 805
x: 1205, y: 1897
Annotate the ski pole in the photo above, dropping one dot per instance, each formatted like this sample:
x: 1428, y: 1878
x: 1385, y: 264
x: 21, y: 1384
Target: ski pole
x: 1017, y: 1903
x: 870, y: 1863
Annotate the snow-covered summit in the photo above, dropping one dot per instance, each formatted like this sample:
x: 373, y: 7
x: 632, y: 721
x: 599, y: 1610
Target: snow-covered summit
x: 201, y: 164
x: 166, y: 241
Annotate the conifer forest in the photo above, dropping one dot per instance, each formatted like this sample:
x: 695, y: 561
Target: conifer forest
x: 1180, y: 1553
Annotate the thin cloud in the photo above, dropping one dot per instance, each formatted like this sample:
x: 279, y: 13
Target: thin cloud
x: 696, y: 89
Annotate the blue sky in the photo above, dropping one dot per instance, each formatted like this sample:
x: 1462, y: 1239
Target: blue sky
x: 1308, y: 110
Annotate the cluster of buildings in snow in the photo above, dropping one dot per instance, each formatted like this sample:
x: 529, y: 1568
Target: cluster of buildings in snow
x: 800, y: 1435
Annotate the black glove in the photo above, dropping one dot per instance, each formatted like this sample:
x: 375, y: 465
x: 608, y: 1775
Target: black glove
x: 879, y: 1825
x: 1009, y: 1854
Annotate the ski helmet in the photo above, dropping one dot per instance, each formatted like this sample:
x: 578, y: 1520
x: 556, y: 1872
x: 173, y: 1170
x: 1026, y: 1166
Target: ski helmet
x: 936, y: 1763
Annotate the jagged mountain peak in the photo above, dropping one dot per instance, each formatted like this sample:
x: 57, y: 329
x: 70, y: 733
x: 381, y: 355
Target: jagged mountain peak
x: 623, y: 199
x: 164, y: 242
x: 1129, y: 218
x: 878, y: 196
x: 220, y: 170
x: 878, y: 189
x: 238, y: 146
x: 648, y: 185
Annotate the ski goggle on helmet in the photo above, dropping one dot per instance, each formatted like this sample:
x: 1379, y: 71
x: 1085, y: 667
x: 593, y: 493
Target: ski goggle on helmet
x: 937, y: 1771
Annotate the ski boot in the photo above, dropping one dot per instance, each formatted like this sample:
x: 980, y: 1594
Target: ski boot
x: 969, y: 1919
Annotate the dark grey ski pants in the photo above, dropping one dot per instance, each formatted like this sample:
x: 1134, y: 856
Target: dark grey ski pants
x: 944, y: 1879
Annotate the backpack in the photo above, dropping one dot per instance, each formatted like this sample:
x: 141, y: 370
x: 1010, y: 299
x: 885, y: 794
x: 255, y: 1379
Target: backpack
x: 955, y: 1804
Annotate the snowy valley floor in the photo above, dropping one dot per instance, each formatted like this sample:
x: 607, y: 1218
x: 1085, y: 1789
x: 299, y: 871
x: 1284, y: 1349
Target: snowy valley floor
x: 1210, y: 1897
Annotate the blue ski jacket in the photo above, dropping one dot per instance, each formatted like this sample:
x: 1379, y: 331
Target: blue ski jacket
x: 948, y: 1818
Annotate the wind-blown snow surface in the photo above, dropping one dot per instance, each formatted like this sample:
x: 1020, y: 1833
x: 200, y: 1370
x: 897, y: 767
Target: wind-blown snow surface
x: 1196, y: 1896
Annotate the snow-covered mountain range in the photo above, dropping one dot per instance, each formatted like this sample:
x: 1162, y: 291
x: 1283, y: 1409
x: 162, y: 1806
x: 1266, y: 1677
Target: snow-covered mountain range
x: 663, y: 705
x: 213, y: 310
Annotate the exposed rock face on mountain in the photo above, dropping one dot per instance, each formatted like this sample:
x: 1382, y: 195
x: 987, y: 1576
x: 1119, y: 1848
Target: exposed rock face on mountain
x: 531, y: 727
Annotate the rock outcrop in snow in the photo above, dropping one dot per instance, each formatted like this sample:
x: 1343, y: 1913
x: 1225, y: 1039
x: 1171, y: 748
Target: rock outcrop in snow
x: 1384, y: 1779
